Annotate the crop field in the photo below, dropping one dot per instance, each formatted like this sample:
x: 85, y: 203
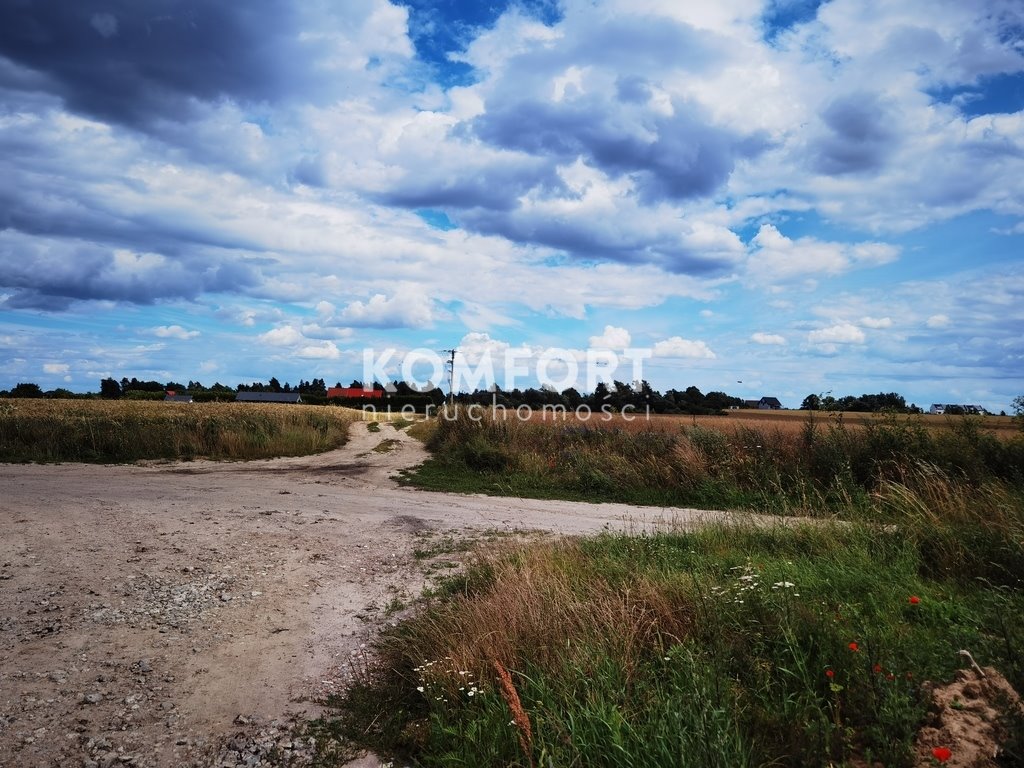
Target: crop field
x: 778, y: 421
x: 125, y: 430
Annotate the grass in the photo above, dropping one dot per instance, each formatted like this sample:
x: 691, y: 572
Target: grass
x: 387, y: 445
x: 732, y: 646
x: 125, y: 431
x: 826, y: 466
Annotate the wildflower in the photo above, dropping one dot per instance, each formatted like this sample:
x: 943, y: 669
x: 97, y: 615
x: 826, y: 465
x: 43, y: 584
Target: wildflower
x: 853, y: 646
x: 829, y: 674
x: 942, y: 754
x: 419, y: 688
x: 783, y: 585
x: 914, y: 600
x: 890, y: 676
x: 877, y: 669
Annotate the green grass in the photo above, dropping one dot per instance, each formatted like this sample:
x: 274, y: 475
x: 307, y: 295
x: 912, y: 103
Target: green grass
x: 373, y: 426
x: 705, y: 648
x: 386, y: 446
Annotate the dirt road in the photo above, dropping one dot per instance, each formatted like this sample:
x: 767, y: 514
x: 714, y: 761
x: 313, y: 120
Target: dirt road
x: 181, y: 614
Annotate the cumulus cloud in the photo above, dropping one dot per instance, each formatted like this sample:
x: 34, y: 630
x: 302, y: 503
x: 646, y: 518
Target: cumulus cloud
x: 174, y: 332
x: 56, y: 368
x: 775, y: 257
x: 842, y: 333
x: 283, y: 336
x: 126, y: 63
x: 938, y: 321
x: 768, y: 339
x: 677, y: 346
x: 405, y: 309
x: 611, y: 338
x: 859, y: 135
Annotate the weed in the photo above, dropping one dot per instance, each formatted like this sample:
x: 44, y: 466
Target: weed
x: 731, y: 645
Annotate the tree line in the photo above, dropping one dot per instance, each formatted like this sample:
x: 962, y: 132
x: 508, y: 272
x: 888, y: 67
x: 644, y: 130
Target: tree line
x: 616, y: 396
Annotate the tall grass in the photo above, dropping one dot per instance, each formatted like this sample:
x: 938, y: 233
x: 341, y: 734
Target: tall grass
x: 823, y: 467
x: 123, y: 431
x: 732, y: 645
x: 729, y: 646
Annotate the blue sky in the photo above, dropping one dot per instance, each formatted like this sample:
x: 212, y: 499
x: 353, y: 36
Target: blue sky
x: 800, y: 196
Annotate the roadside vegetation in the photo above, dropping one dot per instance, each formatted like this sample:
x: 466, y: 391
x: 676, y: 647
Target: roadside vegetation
x: 817, y: 465
x: 727, y: 646
x: 123, y: 431
x: 802, y: 642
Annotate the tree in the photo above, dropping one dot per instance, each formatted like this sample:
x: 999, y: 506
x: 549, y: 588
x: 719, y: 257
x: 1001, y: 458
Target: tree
x: 811, y: 403
x: 110, y: 389
x: 26, y: 389
x: 1018, y: 410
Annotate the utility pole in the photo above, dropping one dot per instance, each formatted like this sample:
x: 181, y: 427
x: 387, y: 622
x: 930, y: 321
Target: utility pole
x: 451, y: 374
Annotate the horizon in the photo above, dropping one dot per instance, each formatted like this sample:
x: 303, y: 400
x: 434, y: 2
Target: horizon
x: 773, y: 197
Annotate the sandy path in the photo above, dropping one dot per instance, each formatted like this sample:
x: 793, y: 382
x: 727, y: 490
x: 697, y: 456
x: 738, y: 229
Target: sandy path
x: 143, y: 608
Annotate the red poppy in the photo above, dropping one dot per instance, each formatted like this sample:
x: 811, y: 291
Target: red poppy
x: 890, y: 676
x: 877, y: 669
x: 914, y: 600
x: 829, y: 674
x: 942, y: 754
x: 854, y: 647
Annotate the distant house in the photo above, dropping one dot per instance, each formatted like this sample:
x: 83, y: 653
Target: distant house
x: 957, y: 408
x: 769, y: 404
x: 174, y: 397
x: 268, y: 397
x: 355, y: 392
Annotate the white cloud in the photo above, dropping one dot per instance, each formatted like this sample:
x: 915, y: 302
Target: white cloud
x: 325, y: 350
x: 775, y: 257
x: 677, y: 346
x: 405, y: 309
x: 843, y: 333
x: 938, y: 321
x: 612, y: 338
x: 174, y: 332
x: 283, y: 336
x: 474, y: 346
x: 876, y: 322
x: 56, y: 368
x: 767, y: 338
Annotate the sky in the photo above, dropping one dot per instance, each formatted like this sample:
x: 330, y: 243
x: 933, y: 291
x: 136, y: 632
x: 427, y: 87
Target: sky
x: 771, y: 197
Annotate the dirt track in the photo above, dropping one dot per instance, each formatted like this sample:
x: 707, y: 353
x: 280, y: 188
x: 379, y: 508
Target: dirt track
x: 144, y: 608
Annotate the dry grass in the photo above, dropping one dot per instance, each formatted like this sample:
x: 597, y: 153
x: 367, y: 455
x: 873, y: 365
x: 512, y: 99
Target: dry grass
x: 784, y: 422
x: 126, y: 430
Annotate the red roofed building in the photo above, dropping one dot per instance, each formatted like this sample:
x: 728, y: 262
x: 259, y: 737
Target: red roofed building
x: 355, y: 392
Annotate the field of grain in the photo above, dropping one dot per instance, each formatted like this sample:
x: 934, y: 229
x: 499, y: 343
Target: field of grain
x: 125, y: 430
x: 784, y: 422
